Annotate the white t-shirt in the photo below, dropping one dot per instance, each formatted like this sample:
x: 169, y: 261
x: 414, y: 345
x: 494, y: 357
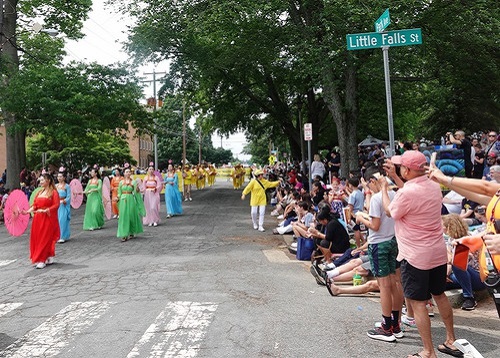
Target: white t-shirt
x: 457, y: 198
x: 386, y: 230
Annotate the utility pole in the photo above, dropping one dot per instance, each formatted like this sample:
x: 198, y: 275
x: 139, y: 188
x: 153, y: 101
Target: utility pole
x: 1, y: 25
x: 199, y: 147
x: 183, y: 134
x: 302, y: 146
x: 155, y: 136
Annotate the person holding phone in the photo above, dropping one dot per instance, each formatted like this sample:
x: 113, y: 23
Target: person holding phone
x: 416, y: 210
x: 484, y: 193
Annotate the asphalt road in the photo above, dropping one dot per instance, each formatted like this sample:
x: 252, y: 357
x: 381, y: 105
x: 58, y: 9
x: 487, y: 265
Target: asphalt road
x: 204, y: 284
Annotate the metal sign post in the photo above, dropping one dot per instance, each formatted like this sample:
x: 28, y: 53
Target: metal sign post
x: 385, y: 39
x: 308, y: 136
x: 388, y: 96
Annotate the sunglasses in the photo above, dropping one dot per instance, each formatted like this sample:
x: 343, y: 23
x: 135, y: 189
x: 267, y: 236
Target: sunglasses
x: 492, y: 135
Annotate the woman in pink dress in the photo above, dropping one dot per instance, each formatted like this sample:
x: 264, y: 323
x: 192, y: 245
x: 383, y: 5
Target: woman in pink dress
x: 151, y: 186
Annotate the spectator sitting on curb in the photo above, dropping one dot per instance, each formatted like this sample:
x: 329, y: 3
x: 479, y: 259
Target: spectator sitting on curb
x: 306, y: 219
x: 331, y: 237
x: 469, y: 280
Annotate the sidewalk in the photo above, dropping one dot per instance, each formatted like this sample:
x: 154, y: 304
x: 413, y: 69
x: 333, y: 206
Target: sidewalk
x: 485, y: 308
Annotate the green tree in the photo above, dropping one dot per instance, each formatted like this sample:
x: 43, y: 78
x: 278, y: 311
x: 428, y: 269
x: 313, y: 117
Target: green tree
x: 75, y: 152
x: 250, y: 60
x: 77, y: 110
x: 67, y: 18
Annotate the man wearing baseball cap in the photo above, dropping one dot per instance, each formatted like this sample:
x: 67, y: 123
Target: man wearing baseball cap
x: 416, y: 210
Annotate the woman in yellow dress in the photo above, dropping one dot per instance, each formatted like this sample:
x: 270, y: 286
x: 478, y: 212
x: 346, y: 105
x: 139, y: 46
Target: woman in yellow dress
x: 180, y: 181
x: 241, y: 179
x: 235, y: 176
x: 212, y: 172
x: 187, y: 177
x: 203, y: 176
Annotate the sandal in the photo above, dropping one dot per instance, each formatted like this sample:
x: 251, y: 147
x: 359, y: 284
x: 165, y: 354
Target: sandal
x: 328, y: 283
x: 443, y: 348
x: 417, y: 355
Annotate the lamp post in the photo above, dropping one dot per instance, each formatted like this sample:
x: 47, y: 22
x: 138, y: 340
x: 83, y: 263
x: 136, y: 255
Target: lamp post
x: 302, y: 147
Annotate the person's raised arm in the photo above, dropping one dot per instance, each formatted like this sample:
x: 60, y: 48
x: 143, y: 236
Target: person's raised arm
x: 390, y: 169
x: 477, y: 190
x: 385, y: 195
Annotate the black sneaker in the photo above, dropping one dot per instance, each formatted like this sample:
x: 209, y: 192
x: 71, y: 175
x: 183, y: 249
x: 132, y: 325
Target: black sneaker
x: 319, y: 275
x: 469, y: 304
x: 381, y: 334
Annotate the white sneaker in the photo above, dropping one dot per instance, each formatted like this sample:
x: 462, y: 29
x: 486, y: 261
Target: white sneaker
x: 190, y: 199
x: 49, y: 261
x: 150, y: 224
x: 280, y: 217
x: 261, y: 229
x: 255, y: 227
x: 115, y: 216
x: 186, y: 199
x: 40, y: 265
x: 430, y: 309
x: 61, y: 241
x: 293, y: 245
x: 155, y: 224
x: 329, y: 266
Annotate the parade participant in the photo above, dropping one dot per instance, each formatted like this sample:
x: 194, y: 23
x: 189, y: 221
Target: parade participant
x: 173, y: 198
x: 131, y: 208
x: 94, y: 208
x: 257, y: 187
x: 45, y: 226
x: 64, y: 211
x: 416, y: 210
x: 202, y: 176
x: 187, y: 178
x: 212, y: 172
x: 115, y: 182
x: 181, y: 181
x: 235, y: 176
x: 152, y: 187
x: 241, y: 176
x: 197, y: 177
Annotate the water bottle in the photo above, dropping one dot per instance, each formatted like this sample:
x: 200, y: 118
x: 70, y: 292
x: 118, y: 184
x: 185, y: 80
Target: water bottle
x: 357, y: 279
x: 443, y: 141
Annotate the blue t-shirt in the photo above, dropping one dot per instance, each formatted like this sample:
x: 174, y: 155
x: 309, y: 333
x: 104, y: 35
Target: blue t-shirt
x: 357, y: 200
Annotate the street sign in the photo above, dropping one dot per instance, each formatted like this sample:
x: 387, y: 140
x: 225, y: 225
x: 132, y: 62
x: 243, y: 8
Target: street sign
x: 383, y: 21
x: 308, y: 131
x: 396, y: 38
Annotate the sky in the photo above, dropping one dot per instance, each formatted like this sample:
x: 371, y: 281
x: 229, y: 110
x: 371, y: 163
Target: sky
x: 104, y: 32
